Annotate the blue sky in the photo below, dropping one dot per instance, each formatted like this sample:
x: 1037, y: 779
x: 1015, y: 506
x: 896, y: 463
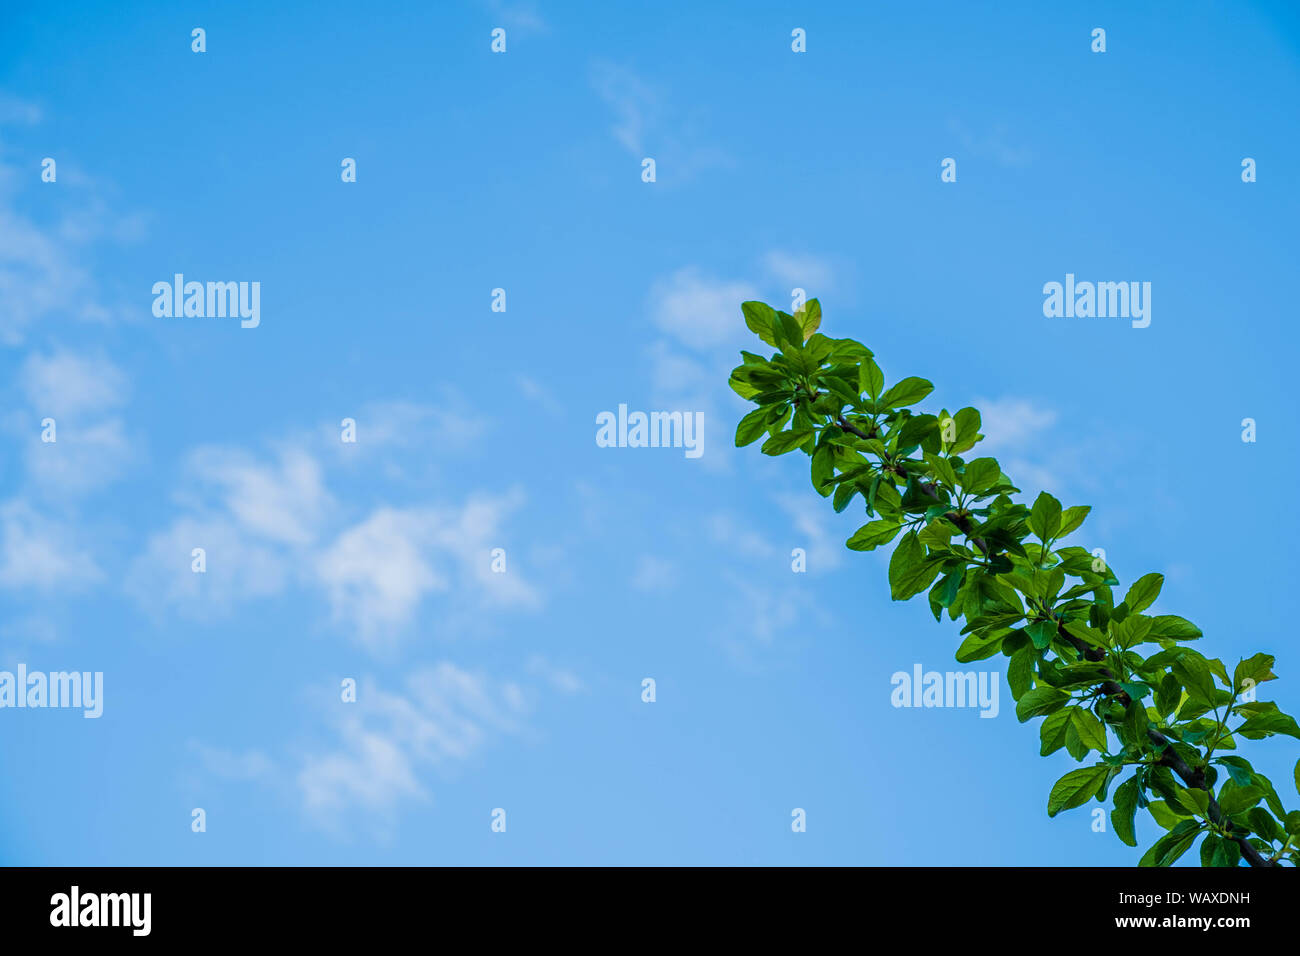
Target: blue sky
x: 476, y: 429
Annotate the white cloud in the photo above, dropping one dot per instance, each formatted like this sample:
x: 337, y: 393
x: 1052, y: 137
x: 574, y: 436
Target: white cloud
x: 809, y: 513
x: 267, y: 525
x: 63, y: 383
x: 540, y: 396
x: 806, y: 272
x: 83, y: 459
x: 1016, y: 432
x: 229, y: 765
x: 18, y: 112
x: 37, y: 278
x: 761, y: 617
x: 635, y: 103
x: 238, y: 569
x: 563, y: 680
x: 1012, y: 423
x: 78, y: 392
x: 41, y: 273
x: 737, y: 538
x: 41, y: 554
x: 700, y: 311
x: 993, y: 145
x: 376, y: 573
x: 407, y: 426
x: 521, y: 15
x: 645, y: 124
x: 370, y: 771
x: 284, y: 502
x: 445, y: 715
x: 654, y: 574
x: 704, y: 326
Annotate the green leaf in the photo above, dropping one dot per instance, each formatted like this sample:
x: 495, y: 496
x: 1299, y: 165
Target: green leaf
x: 1020, y: 671
x: 1194, y: 674
x: 1256, y: 669
x: 1121, y: 818
x: 1091, y: 733
x: 810, y: 318
x: 789, y: 334
x: 1216, y: 851
x: 843, y: 495
x: 1174, y: 627
x: 1172, y: 845
x: 1052, y: 732
x: 1168, y: 695
x: 1041, y: 633
x: 1089, y: 635
x: 761, y: 319
x: 1076, y: 788
x: 1164, y: 814
x: 1234, y: 798
x: 1262, y: 822
x: 1268, y: 724
x: 965, y: 426
x: 1131, y: 631
x: 1071, y: 519
x: 782, y: 442
x: 1195, y: 798
x: 980, y: 475
x: 872, y: 535
x: 1238, y: 768
x: 945, y: 591
x: 907, y: 392
x: 909, y: 571
x: 1297, y: 776
x: 742, y: 388
x: 942, y: 469
x: 978, y: 647
x: 870, y: 379
x: 1144, y: 592
x: 1040, y: 701
x: 751, y: 427
x: 1045, y: 516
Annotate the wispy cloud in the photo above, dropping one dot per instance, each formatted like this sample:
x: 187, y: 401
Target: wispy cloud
x: 521, y: 15
x: 699, y: 311
x: 1015, y: 431
x: 647, y: 124
x: 17, y: 112
x: 269, y: 522
x: 41, y: 554
x: 993, y: 144
x: 811, y: 273
x: 812, y: 530
x: 81, y: 394
x: 43, y: 278
x: 702, y: 329
x: 377, y: 572
x: 387, y: 740
x: 64, y: 383
x: 654, y: 574
x: 230, y: 765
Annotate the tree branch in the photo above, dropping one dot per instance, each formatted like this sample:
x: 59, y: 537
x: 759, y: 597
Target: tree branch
x: 1196, y: 778
x: 1170, y: 759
